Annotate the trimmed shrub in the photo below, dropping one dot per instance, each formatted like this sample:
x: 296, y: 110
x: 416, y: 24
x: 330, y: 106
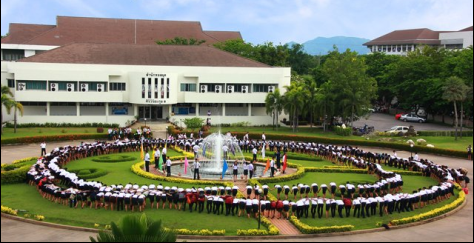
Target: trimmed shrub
x: 15, y: 176
x: 114, y: 159
x: 93, y: 173
x: 345, y: 132
x: 56, y: 138
x: 100, y: 130
x: 444, y: 133
x: 306, y: 229
x: 84, y: 173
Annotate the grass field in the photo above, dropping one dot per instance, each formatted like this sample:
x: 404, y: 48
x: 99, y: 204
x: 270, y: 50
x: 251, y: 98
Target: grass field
x: 24, y: 197
x: 42, y: 131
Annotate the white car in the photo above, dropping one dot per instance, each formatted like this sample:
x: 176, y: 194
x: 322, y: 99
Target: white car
x: 398, y: 130
x: 412, y: 118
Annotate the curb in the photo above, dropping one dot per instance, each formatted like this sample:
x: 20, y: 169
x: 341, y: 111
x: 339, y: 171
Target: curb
x: 237, y: 238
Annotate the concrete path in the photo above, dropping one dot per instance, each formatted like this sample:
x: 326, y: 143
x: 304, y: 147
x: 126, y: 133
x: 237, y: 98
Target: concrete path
x: 457, y: 228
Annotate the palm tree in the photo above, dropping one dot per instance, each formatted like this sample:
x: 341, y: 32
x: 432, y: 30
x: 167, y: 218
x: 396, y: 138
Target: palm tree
x: 136, y: 229
x: 294, y: 101
x: 455, y: 90
x: 6, y: 101
x: 17, y: 106
x: 468, y: 97
x: 312, y: 102
x: 325, y: 99
x: 274, y: 106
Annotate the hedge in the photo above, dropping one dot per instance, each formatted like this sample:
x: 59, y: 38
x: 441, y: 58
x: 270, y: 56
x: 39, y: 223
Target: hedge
x: 338, y: 141
x: 114, y: 159
x: 203, y: 232
x: 15, y: 176
x: 94, y: 173
x: 53, y: 125
x: 272, y: 230
x: 433, y: 213
x: 56, y: 138
x: 444, y: 133
x: 306, y: 229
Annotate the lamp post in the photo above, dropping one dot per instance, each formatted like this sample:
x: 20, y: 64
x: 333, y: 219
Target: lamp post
x: 411, y: 150
x: 259, y: 210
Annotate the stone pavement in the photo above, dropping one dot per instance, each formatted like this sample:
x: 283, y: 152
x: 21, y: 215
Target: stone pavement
x: 456, y: 228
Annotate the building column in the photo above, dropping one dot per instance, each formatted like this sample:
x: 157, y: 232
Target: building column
x: 223, y: 109
x: 197, y: 109
x: 250, y: 109
x: 107, y: 112
x: 48, y: 108
x: 78, y: 109
x: 135, y: 110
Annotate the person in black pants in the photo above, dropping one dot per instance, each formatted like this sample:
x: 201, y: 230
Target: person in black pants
x: 147, y: 161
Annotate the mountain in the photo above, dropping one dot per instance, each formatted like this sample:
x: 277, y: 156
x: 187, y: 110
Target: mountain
x: 322, y: 45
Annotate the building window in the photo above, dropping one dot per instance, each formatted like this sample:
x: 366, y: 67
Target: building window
x: 93, y: 104
x: 258, y: 105
x: 118, y: 87
x: 35, y: 85
x: 62, y: 104
x: 11, y: 83
x: 167, y: 88
x: 162, y: 88
x: 183, y: 109
x: 143, y: 88
x: 12, y: 55
x: 156, y: 88
x: 261, y: 88
x: 188, y: 87
x: 33, y: 103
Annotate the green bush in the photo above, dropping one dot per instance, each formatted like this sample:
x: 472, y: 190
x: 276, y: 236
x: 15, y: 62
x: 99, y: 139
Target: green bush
x: 114, y: 159
x: 306, y: 229
x: 345, y: 132
x: 15, y: 176
x: 443, y: 133
x: 53, y: 125
x: 54, y: 138
x: 93, y: 173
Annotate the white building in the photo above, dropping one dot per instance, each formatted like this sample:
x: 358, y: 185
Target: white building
x: 116, y: 82
x: 401, y: 42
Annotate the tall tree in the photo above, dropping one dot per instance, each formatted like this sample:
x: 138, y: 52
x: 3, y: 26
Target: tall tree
x: 7, y: 101
x: 354, y: 88
x: 325, y: 99
x: 17, y: 107
x: 294, y: 100
x: 312, y: 102
x: 455, y: 90
x: 179, y: 41
x: 274, y: 106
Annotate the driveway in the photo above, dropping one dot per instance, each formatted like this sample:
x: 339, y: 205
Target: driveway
x: 383, y: 122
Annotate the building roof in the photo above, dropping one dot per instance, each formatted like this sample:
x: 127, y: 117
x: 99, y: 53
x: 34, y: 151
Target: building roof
x: 414, y: 36
x: 153, y: 55
x: 70, y: 30
x: 467, y: 29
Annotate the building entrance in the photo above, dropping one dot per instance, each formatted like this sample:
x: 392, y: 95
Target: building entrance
x: 151, y: 112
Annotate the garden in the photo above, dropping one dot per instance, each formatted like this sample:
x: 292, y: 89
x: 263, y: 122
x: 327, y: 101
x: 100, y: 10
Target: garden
x: 25, y: 201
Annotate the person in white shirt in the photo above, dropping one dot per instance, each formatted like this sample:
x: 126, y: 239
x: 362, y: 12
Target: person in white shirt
x: 147, y: 162
x: 254, y: 152
x: 417, y: 157
x: 272, y: 167
x: 168, y: 167
x: 196, y: 150
x: 264, y: 138
x: 43, y: 149
x: 225, y: 149
x: 197, y: 166
x: 157, y: 157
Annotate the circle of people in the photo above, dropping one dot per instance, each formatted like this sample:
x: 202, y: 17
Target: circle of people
x: 382, y: 198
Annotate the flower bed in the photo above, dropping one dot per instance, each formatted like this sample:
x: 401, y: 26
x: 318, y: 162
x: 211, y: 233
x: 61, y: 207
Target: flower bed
x: 433, y: 213
x: 93, y: 173
x: 272, y: 230
x: 114, y: 159
x: 203, y: 232
x: 306, y: 229
x: 7, y: 210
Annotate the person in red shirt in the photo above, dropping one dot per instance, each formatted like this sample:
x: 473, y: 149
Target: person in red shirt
x: 348, y: 206
x: 228, y: 204
x: 279, y: 208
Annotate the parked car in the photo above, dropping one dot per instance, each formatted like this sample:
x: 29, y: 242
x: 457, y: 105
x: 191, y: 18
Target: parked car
x: 399, y: 130
x: 398, y: 116
x: 412, y: 118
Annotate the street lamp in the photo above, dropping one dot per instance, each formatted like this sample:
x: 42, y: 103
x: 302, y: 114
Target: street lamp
x: 260, y: 209
x: 145, y: 122
x: 411, y: 150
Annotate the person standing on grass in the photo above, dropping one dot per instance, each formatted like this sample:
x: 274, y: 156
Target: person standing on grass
x: 272, y: 167
x: 469, y: 152
x: 147, y: 161
x: 157, y: 158
x: 254, y: 151
x: 168, y: 167
x: 43, y: 149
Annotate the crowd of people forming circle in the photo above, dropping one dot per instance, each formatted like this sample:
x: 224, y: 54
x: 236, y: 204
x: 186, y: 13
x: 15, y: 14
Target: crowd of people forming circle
x: 384, y: 197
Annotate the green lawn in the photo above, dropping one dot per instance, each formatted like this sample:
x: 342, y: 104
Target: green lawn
x: 24, y: 197
x: 370, y: 223
x: 411, y: 183
x: 41, y: 131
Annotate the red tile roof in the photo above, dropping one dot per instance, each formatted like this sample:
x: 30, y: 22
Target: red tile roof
x: 21, y: 33
x: 467, y: 29
x: 153, y: 55
x: 414, y: 36
x: 122, y: 31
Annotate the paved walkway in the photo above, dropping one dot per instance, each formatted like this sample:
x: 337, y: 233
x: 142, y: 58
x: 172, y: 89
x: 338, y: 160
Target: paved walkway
x: 457, y: 228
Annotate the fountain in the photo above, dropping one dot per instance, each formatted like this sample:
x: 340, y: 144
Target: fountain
x: 212, y: 156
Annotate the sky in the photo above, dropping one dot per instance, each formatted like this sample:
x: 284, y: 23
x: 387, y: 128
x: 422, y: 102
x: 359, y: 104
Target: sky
x: 259, y: 21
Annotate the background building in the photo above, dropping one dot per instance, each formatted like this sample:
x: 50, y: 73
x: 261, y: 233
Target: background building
x: 401, y: 42
x: 60, y: 76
